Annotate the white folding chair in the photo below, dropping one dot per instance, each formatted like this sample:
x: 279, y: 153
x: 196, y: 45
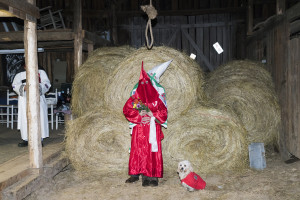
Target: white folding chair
x: 59, y: 120
x: 51, y: 99
x: 5, y: 114
x: 12, y: 103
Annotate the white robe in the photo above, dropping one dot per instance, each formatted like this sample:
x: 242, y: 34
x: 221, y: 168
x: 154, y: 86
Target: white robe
x: 18, y: 87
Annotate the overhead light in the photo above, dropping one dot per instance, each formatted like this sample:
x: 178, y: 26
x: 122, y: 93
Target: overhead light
x: 11, y: 51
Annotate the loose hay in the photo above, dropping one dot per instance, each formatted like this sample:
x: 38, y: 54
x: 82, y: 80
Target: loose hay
x: 182, y: 80
x: 98, y: 143
x: 91, y: 79
x: 211, y: 139
x: 247, y: 88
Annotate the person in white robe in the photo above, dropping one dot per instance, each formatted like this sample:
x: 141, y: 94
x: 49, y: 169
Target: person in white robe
x: 19, y: 86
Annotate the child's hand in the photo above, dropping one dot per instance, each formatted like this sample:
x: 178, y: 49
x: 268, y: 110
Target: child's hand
x: 145, y: 120
x: 150, y: 114
x: 143, y: 112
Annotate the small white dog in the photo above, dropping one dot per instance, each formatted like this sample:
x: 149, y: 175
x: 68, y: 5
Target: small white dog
x: 189, y: 180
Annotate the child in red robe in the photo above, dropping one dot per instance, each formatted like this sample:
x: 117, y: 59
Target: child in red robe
x: 145, y: 109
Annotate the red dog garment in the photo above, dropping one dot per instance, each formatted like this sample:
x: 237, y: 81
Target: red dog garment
x: 195, y: 181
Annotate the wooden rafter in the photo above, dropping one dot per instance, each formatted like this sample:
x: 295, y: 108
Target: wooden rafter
x: 21, y: 9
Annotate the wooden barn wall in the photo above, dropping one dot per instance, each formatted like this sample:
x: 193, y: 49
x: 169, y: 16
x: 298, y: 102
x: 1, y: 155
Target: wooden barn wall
x: 46, y: 59
x: 280, y: 47
x: 192, y: 34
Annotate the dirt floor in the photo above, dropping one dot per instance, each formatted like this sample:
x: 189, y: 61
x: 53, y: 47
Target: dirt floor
x: 278, y: 181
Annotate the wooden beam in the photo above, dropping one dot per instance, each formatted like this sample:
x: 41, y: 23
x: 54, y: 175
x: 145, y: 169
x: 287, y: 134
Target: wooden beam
x: 280, y: 7
x: 33, y: 94
x: 295, y: 27
x: 293, y: 13
x: 17, y: 36
x: 78, y: 35
x: 21, y: 9
x: 269, y: 25
x: 100, y: 13
x: 54, y: 36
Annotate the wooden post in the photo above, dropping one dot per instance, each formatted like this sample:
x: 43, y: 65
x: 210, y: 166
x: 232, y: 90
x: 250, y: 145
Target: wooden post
x: 49, y: 64
x: 90, y: 47
x: 1, y: 73
x: 250, y: 17
x: 280, y: 7
x: 78, y: 35
x: 33, y: 94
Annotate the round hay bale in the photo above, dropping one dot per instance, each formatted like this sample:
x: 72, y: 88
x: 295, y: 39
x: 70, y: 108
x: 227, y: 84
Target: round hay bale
x: 98, y: 143
x: 248, y: 89
x: 212, y: 140
x: 91, y: 79
x: 182, y: 80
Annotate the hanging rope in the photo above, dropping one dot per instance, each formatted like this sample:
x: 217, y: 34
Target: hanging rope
x: 152, y: 13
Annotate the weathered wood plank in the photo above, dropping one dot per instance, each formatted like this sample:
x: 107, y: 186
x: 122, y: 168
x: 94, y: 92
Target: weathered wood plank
x: 250, y: 17
x: 219, y: 61
x: 23, y: 6
x: 280, y: 6
x: 205, y: 60
x: 138, y: 32
x: 294, y: 98
x: 192, y: 33
x: 206, y: 36
x: 17, y: 36
x: 166, y: 32
x: 178, y: 39
x: 174, y: 34
x: 199, y: 39
x: 174, y: 4
x: 33, y: 96
x: 139, y: 13
x: 174, y: 24
x: 212, y: 40
x: 226, y: 36
x: 77, y: 34
x: 184, y: 41
x: 293, y: 12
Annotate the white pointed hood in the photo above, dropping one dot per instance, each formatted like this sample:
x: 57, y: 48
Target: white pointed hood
x: 158, y: 70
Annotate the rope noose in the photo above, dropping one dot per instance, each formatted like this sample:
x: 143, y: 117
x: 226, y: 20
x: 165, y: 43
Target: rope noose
x: 152, y: 13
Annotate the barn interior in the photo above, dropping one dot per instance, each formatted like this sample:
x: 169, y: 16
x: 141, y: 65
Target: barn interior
x: 234, y: 76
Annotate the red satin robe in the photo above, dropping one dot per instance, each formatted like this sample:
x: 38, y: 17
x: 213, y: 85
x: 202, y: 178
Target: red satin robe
x: 142, y: 160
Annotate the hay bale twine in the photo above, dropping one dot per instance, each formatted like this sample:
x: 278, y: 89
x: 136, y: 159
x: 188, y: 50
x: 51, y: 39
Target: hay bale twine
x: 91, y: 79
x: 211, y: 139
x: 182, y: 80
x: 247, y: 88
x: 98, y: 143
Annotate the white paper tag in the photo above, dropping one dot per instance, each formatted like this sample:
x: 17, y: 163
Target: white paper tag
x: 218, y: 47
x: 192, y: 56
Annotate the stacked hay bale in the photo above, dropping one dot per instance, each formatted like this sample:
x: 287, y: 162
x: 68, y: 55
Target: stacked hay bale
x: 247, y: 88
x: 91, y: 79
x: 98, y: 143
x: 183, y: 79
x: 211, y: 139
